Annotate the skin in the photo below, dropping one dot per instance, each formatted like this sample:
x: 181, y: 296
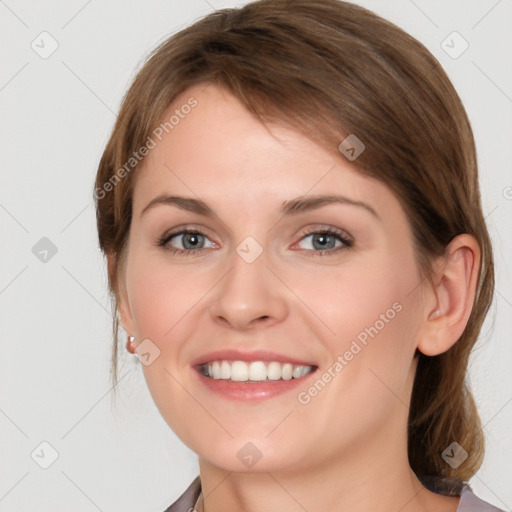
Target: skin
x: 347, y: 448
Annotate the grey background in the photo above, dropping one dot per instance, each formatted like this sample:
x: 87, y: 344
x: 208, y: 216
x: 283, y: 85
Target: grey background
x: 57, y: 113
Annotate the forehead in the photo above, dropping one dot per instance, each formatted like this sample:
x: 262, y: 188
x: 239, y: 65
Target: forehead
x: 212, y: 147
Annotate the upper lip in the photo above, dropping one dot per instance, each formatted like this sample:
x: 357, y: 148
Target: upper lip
x: 244, y: 355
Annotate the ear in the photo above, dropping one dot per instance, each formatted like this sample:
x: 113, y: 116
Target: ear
x: 117, y: 276
x: 451, y: 296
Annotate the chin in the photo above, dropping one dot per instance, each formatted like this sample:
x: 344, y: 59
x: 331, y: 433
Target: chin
x: 249, y: 456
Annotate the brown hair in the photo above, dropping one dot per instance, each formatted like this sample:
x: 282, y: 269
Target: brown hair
x: 328, y: 69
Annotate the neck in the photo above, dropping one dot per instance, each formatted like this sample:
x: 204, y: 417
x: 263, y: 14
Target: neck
x: 376, y: 476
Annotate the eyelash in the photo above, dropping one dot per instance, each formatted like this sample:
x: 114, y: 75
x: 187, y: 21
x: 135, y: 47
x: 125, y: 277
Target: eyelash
x: 340, y: 235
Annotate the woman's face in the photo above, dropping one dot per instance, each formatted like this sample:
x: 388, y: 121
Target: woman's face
x: 263, y: 280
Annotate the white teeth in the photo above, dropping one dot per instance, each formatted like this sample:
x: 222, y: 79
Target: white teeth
x: 256, y: 371
x: 239, y: 371
x: 225, y: 370
x: 274, y: 371
x: 297, y: 372
x: 215, y: 370
x: 287, y: 371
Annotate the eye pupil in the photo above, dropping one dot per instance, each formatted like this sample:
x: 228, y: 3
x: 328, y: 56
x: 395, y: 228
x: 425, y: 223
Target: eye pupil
x: 191, y: 238
x: 322, y: 239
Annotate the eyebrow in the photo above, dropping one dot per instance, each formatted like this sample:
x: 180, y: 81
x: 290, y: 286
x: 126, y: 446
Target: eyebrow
x: 289, y: 207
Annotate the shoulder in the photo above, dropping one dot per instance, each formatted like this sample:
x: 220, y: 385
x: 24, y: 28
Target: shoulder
x: 186, y: 502
x: 470, y: 502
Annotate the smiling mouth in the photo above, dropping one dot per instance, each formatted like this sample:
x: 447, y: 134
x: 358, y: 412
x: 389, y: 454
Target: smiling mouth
x: 254, y: 371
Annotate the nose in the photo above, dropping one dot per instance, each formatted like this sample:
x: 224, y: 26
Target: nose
x: 250, y: 295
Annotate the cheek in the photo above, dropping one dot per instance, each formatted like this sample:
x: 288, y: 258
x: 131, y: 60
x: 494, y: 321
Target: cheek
x: 356, y: 298
x: 367, y: 320
x: 162, y: 299
x: 161, y: 295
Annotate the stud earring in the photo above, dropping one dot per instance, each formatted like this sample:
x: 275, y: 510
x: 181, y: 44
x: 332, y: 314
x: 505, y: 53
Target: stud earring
x: 129, y: 342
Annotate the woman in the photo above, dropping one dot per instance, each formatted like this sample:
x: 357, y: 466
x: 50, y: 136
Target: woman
x: 290, y: 211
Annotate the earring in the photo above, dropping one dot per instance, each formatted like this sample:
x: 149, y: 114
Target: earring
x: 129, y: 342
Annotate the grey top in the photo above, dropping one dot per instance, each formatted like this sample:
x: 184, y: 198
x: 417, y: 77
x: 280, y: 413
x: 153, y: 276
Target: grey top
x: 469, y: 502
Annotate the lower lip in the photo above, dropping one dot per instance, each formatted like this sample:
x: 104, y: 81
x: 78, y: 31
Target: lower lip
x: 251, y: 390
